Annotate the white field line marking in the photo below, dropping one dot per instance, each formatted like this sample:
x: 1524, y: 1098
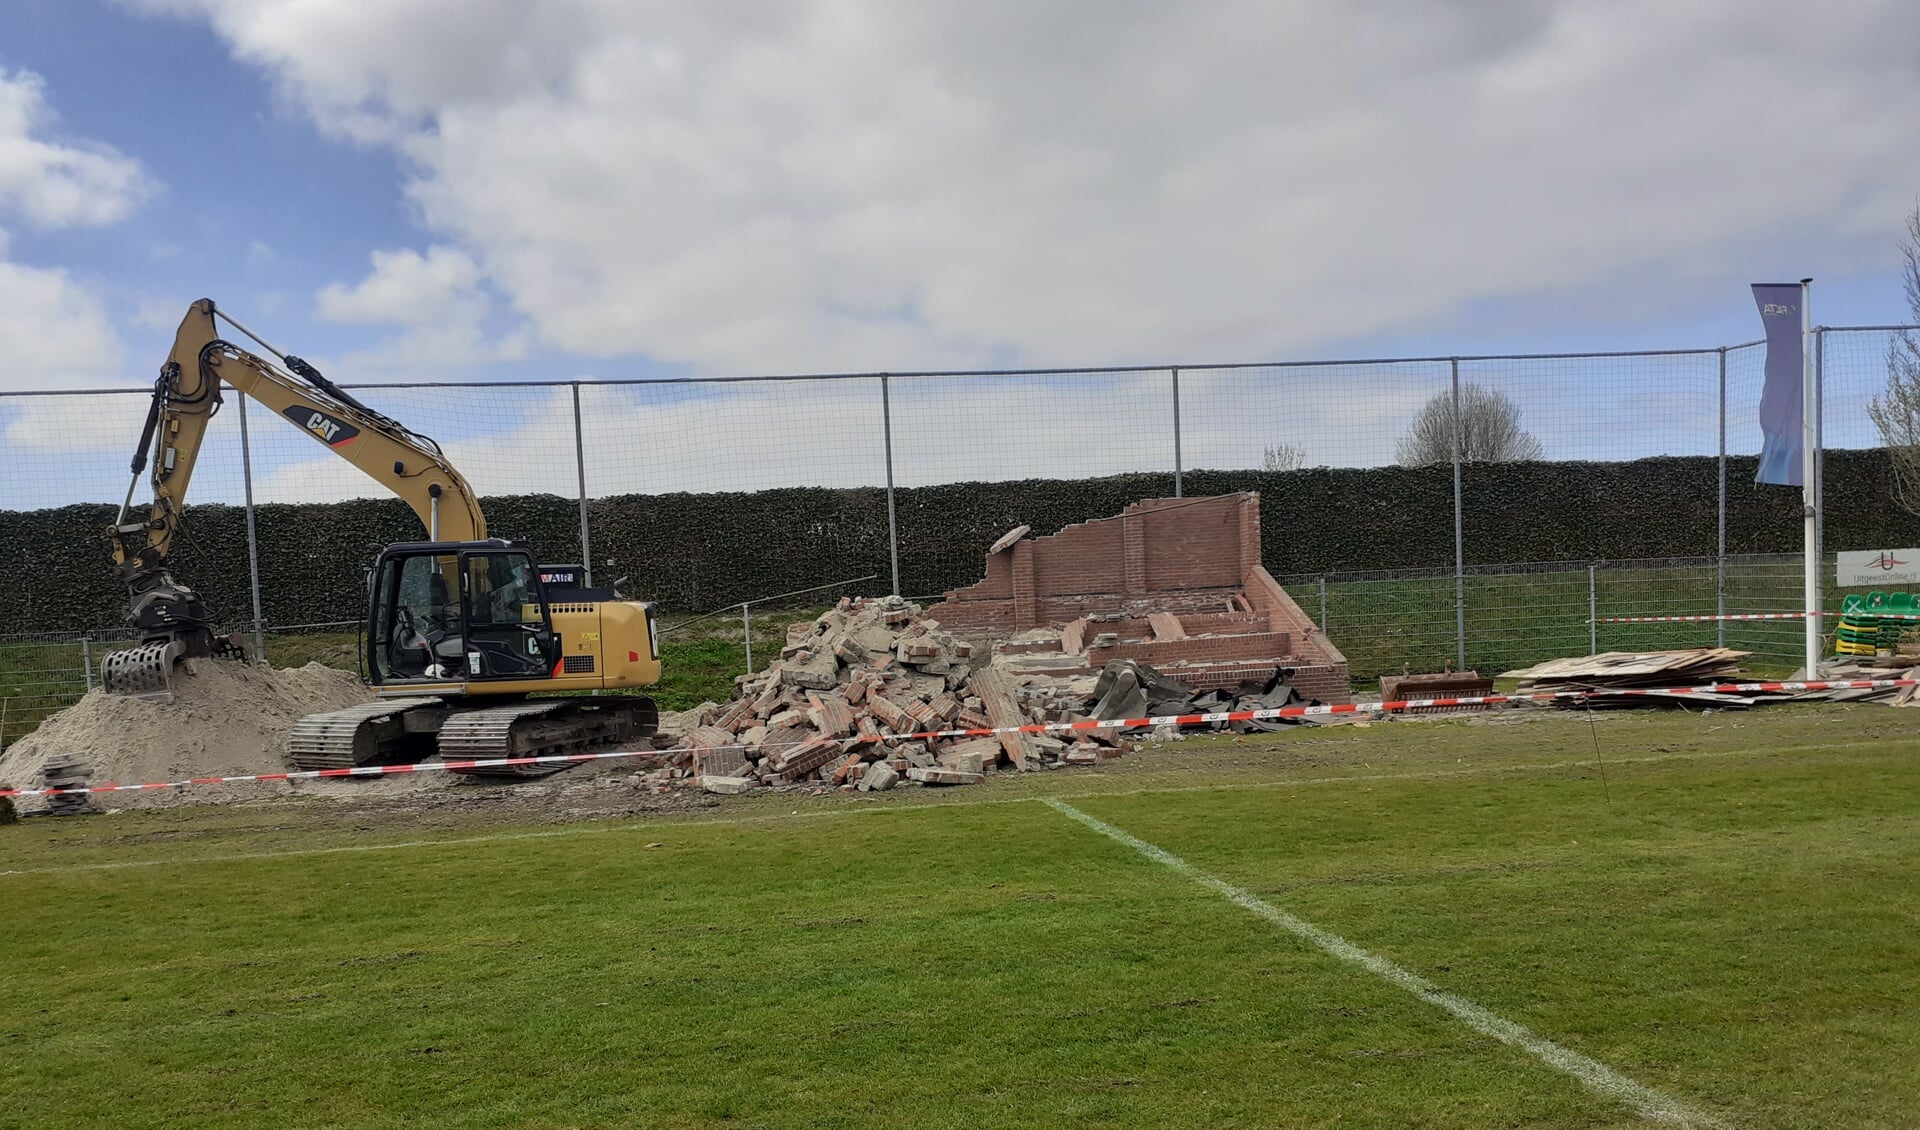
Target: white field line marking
x: 1650, y: 1104
x: 644, y: 825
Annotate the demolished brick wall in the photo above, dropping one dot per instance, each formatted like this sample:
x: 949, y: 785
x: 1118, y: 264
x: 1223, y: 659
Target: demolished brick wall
x: 1173, y: 582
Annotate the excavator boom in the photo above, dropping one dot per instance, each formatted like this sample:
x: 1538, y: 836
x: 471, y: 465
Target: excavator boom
x: 174, y: 621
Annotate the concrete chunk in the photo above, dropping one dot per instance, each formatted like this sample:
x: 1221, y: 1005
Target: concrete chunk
x: 817, y: 671
x: 878, y: 778
x: 942, y: 776
x: 1007, y: 540
x: 727, y: 786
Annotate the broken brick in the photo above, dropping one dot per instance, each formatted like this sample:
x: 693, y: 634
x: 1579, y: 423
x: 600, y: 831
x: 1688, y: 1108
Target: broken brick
x: 808, y: 756
x: 890, y: 716
x: 830, y: 714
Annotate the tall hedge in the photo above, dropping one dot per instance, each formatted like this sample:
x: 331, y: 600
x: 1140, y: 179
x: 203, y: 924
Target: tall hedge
x: 695, y: 552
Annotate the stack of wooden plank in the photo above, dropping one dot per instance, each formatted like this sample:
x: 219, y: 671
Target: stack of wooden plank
x: 1629, y: 670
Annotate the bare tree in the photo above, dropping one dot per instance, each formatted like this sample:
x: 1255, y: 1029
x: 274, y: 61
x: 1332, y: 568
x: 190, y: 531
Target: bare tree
x: 1283, y: 457
x: 1896, y: 413
x: 1489, y: 430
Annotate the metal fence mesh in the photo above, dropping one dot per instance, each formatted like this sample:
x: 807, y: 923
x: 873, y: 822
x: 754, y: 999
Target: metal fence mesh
x: 1169, y: 429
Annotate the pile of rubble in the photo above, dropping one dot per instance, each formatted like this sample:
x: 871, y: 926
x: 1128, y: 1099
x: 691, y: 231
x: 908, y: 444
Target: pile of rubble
x: 1130, y: 689
x: 849, y: 685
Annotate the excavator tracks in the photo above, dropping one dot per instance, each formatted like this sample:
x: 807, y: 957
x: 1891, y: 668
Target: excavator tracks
x: 542, y: 728
x: 394, y: 730
x: 373, y: 733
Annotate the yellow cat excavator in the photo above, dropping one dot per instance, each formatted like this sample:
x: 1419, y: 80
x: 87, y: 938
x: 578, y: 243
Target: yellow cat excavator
x: 461, y: 630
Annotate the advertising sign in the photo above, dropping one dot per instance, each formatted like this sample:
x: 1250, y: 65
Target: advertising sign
x: 1879, y: 569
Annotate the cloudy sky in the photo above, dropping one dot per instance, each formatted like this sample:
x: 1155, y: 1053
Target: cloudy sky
x: 494, y: 190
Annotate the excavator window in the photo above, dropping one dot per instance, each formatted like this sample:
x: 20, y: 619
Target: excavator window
x: 507, y: 632
x: 418, y: 619
x: 474, y: 614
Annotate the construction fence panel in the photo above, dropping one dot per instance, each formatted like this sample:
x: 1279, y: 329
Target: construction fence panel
x: 42, y: 674
x: 1763, y: 583
x: 1552, y: 414
x: 1853, y: 372
x: 704, y: 494
x: 1393, y: 622
x: 1081, y: 444
x: 1242, y: 419
x: 76, y: 448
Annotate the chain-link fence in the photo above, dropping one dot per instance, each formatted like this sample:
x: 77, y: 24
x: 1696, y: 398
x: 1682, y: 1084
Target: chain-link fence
x: 1628, y: 474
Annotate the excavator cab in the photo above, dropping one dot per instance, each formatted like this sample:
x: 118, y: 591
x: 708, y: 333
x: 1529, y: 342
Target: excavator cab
x: 458, y: 612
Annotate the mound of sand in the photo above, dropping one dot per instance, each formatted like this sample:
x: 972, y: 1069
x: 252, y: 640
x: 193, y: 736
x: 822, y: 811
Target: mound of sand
x: 227, y: 719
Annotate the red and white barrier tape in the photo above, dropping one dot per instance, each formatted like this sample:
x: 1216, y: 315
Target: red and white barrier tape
x: 1750, y: 616
x: 1035, y: 728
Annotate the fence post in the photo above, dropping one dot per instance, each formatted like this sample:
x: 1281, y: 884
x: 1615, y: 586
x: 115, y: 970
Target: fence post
x: 1593, y: 611
x: 893, y: 527
x: 86, y: 659
x: 580, y: 470
x: 1720, y: 584
x: 253, y: 541
x: 746, y: 627
x: 1179, y: 485
x: 1323, y: 604
x: 1459, y: 541
x: 1820, y: 459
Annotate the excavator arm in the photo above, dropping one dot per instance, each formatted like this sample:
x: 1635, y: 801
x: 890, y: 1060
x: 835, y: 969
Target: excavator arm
x: 175, y: 623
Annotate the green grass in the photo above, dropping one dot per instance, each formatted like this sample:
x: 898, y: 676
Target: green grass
x: 1731, y: 918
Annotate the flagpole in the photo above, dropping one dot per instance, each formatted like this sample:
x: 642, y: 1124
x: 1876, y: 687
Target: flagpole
x: 1810, y: 479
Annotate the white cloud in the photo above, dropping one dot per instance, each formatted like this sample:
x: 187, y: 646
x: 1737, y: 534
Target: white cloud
x: 58, y: 185
x: 436, y: 298
x: 54, y: 329
x: 407, y: 288
x: 813, y: 186
x: 54, y: 334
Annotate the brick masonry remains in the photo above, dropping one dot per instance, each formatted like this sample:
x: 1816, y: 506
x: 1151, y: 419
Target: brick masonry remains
x: 1172, y: 582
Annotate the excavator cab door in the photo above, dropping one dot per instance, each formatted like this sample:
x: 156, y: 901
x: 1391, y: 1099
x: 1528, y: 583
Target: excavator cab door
x: 466, y: 612
x: 508, y: 634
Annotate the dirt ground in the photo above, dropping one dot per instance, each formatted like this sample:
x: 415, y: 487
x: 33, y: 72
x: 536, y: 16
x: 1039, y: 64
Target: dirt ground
x: 618, y: 790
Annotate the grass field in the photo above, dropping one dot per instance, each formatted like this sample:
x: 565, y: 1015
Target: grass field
x: 1730, y: 918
